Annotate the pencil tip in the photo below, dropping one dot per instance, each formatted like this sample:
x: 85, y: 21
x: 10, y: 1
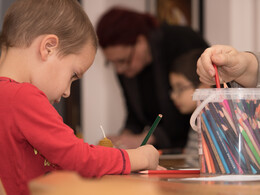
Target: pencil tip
x: 143, y: 172
x: 225, y: 85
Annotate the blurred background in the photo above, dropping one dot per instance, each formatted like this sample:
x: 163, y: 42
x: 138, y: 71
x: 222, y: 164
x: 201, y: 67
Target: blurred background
x: 97, y: 98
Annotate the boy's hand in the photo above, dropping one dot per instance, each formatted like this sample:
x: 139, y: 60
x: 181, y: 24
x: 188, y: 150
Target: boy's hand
x: 160, y: 168
x: 144, y: 157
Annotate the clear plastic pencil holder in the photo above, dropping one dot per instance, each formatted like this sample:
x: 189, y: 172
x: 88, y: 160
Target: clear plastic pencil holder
x: 228, y: 122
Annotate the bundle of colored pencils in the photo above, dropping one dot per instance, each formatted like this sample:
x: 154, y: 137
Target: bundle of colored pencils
x: 230, y: 136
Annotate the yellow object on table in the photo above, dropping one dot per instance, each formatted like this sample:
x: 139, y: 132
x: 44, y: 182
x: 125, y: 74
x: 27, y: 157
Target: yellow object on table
x: 106, y: 142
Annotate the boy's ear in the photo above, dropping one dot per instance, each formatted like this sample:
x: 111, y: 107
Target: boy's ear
x: 48, y: 46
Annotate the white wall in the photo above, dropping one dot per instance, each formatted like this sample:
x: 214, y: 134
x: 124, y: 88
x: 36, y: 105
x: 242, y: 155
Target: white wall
x: 102, y: 101
x: 233, y: 22
x: 257, y: 22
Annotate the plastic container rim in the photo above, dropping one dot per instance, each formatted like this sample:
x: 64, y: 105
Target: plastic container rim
x: 226, y: 93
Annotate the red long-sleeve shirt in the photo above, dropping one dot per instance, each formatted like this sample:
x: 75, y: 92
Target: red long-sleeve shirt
x: 34, y: 140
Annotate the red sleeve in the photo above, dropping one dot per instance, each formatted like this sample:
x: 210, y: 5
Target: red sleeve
x: 41, y: 125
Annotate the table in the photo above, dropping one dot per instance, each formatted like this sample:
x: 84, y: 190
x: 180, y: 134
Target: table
x: 64, y: 182
x: 71, y: 183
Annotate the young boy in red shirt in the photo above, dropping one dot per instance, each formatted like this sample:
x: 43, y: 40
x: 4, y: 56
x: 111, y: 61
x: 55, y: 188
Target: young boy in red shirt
x: 45, y: 46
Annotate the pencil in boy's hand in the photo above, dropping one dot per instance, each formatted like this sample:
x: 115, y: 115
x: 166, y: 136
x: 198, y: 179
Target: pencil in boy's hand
x: 150, y: 132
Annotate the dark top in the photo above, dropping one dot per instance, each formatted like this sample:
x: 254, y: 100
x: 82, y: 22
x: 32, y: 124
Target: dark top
x: 147, y: 94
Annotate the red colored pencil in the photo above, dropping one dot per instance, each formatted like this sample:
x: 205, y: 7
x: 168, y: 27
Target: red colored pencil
x: 177, y: 171
x: 216, y: 76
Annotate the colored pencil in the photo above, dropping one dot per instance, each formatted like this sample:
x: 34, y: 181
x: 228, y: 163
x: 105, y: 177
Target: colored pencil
x: 216, y: 76
x: 220, y: 139
x: 150, y: 132
x: 251, y: 146
x: 216, y: 155
x: 230, y: 137
x: 175, y: 171
x: 211, y: 152
x: 208, y: 157
x: 216, y: 144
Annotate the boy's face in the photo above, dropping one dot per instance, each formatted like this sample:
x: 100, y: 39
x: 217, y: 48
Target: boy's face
x: 56, y: 77
x: 182, y: 93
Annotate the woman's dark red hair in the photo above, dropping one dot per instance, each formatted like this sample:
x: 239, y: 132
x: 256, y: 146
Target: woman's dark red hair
x: 120, y: 26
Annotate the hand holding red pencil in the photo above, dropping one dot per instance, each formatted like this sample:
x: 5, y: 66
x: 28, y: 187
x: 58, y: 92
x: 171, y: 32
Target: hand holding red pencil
x: 231, y: 65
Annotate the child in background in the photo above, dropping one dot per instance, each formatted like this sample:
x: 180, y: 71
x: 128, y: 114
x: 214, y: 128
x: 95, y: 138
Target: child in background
x: 46, y: 45
x: 184, y: 80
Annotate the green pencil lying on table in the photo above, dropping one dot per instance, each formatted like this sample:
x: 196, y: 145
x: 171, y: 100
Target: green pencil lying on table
x: 150, y: 132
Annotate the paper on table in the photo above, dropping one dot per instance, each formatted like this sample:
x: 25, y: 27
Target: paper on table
x: 227, y: 178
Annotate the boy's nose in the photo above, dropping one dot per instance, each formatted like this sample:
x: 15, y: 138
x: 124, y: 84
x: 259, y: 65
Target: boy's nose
x: 66, y: 93
x: 173, y: 96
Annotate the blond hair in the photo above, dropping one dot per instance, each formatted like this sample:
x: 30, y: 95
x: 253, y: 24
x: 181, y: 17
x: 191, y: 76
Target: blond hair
x: 27, y: 19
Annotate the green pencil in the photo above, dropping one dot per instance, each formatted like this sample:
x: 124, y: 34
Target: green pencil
x: 150, y: 132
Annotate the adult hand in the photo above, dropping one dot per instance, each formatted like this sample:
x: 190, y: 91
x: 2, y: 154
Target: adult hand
x: 241, y: 67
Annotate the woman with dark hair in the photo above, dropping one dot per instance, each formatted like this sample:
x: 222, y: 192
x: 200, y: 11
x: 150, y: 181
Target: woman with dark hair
x: 141, y: 52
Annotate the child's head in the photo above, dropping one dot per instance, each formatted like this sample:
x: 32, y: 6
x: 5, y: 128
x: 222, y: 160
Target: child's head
x: 184, y: 80
x: 52, y: 41
x: 27, y: 19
